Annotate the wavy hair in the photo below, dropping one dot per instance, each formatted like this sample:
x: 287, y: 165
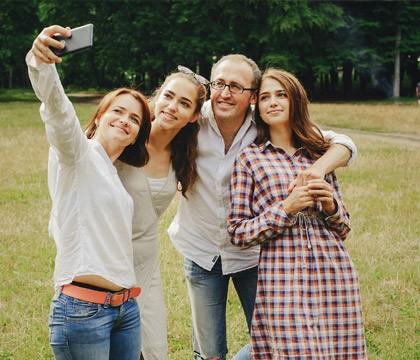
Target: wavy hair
x: 184, y: 144
x: 134, y: 154
x: 305, y: 133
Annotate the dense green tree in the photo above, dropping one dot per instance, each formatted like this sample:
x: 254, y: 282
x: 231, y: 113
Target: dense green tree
x: 337, y: 48
x: 18, y: 23
x: 374, y: 27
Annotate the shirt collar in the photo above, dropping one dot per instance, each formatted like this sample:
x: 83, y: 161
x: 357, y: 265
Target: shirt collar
x: 268, y: 145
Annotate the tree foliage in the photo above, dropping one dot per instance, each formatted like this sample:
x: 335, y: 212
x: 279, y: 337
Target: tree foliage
x: 338, y: 49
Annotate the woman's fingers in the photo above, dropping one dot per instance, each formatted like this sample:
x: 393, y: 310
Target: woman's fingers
x: 50, y: 41
x: 39, y: 55
x: 57, y: 29
x: 319, y: 185
x: 39, y: 49
x: 43, y: 42
x: 320, y: 192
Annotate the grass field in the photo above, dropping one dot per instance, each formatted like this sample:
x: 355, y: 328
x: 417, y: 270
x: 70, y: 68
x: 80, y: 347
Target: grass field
x: 381, y: 190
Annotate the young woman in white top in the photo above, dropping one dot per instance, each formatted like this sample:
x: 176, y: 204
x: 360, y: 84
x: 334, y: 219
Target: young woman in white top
x: 172, y: 146
x: 94, y: 314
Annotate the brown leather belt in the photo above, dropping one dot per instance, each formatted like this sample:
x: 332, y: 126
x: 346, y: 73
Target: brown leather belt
x: 100, y: 297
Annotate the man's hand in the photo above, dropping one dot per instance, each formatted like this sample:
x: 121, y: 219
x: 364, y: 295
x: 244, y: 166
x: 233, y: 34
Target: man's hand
x: 41, y: 45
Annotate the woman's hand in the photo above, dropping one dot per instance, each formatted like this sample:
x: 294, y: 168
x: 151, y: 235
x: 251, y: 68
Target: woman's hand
x: 322, y: 191
x: 299, y: 199
x: 41, y: 45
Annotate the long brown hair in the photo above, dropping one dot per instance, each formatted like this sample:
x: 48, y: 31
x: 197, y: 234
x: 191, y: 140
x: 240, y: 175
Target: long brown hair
x: 305, y: 132
x: 134, y: 154
x: 184, y: 144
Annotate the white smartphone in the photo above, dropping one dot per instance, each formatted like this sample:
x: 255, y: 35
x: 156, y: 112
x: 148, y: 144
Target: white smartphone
x: 81, y: 39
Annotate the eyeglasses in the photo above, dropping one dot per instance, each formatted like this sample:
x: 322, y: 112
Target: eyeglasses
x: 201, y: 79
x: 233, y: 87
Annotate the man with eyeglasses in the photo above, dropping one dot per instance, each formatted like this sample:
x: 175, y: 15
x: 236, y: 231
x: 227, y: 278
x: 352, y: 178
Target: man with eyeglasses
x: 199, y: 230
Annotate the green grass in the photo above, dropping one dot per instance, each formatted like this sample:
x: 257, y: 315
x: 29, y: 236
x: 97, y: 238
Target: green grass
x: 380, y: 117
x: 7, y: 95
x: 381, y: 191
x: 27, y: 95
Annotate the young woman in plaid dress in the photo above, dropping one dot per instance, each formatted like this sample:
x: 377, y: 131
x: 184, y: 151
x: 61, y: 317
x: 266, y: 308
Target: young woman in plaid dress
x: 308, y: 303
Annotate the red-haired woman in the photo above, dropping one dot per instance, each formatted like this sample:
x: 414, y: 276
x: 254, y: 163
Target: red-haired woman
x: 307, y: 304
x: 172, y: 146
x: 94, y: 314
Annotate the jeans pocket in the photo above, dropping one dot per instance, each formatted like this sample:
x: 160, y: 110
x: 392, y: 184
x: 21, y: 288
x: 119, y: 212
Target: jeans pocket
x: 79, y: 310
x: 187, y: 266
x: 191, y: 269
x: 194, y: 271
x: 56, y: 323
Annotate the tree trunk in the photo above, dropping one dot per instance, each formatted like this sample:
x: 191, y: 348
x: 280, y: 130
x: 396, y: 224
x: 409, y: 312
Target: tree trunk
x: 334, y: 80
x: 10, y: 78
x: 397, y: 67
x: 364, y: 79
x: 412, y: 73
x: 347, y: 77
x: 322, y: 86
x: 308, y: 80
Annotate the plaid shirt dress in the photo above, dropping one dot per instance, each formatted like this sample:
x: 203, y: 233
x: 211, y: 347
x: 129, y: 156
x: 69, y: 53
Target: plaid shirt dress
x: 307, y: 304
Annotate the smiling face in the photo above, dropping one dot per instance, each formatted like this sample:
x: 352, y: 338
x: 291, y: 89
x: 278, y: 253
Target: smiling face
x: 119, y: 125
x: 227, y: 106
x: 273, y: 103
x: 176, y: 104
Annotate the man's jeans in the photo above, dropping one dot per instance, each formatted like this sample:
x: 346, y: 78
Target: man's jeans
x: 244, y: 353
x: 86, y: 331
x: 208, y: 292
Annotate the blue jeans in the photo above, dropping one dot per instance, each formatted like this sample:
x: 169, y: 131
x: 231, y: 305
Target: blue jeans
x: 244, y: 353
x: 86, y: 331
x: 208, y: 291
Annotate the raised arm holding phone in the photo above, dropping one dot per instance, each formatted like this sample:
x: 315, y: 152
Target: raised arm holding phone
x: 94, y: 313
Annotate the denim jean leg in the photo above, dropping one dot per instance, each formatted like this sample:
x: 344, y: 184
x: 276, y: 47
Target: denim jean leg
x: 245, y: 283
x: 57, y: 332
x: 244, y: 353
x: 208, y: 295
x: 83, y: 332
x: 125, y: 335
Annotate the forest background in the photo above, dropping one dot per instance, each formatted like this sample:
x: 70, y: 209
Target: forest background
x: 345, y: 52
x: 339, y: 49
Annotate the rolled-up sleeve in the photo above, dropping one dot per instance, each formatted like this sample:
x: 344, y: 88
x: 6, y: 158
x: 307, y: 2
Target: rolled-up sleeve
x: 339, y: 222
x: 344, y: 140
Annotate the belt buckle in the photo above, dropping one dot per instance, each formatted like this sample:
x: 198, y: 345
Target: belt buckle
x: 119, y: 298
x: 126, y: 295
x: 108, y: 299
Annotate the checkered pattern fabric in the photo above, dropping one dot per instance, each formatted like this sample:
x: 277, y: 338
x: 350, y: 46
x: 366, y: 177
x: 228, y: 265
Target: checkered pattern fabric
x: 308, y: 303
